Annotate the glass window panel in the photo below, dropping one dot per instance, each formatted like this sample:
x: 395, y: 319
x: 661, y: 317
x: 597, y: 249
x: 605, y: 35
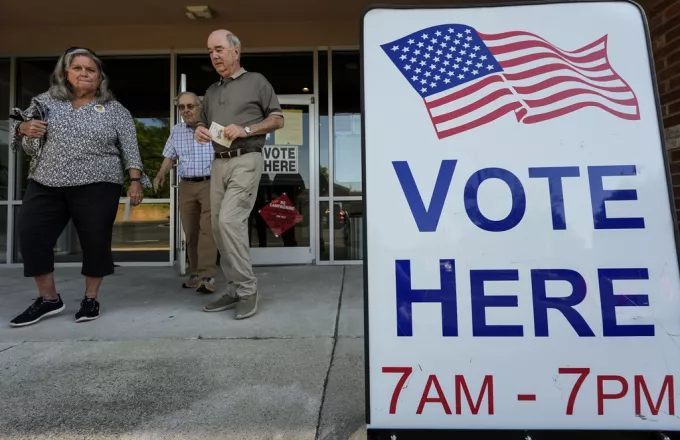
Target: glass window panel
x: 16, y: 255
x: 346, y: 124
x: 4, y: 128
x: 4, y: 160
x: 142, y: 233
x: 324, y: 234
x: 348, y: 230
x: 4, y: 88
x: 288, y: 73
x: 323, y: 124
x: 3, y: 233
x: 33, y: 78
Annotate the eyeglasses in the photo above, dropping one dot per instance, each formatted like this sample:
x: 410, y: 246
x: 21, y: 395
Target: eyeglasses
x: 181, y: 107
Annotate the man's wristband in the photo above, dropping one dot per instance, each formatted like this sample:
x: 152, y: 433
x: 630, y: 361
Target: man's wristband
x: 135, y: 179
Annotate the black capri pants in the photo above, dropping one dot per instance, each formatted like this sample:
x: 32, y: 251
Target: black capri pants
x: 44, y: 214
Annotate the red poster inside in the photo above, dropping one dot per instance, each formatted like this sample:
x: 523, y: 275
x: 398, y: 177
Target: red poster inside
x: 280, y: 215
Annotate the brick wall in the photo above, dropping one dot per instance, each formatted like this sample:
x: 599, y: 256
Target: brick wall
x: 664, y: 25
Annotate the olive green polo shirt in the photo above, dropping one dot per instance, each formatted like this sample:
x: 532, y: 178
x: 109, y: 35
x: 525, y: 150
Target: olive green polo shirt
x: 243, y: 99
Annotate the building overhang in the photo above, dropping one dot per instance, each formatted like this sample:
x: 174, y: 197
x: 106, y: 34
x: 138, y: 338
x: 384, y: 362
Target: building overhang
x: 47, y: 27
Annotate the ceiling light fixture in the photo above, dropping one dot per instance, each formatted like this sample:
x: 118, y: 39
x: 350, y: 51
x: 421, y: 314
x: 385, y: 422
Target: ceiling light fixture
x: 305, y: 89
x: 194, y: 12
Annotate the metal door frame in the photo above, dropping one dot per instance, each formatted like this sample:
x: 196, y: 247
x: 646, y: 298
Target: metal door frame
x: 179, y: 251
x: 298, y: 255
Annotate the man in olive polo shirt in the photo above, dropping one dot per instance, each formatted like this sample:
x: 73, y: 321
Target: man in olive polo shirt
x: 246, y: 105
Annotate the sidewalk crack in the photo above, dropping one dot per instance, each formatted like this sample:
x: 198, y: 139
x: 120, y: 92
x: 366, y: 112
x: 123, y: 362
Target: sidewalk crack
x: 11, y: 346
x: 330, y: 363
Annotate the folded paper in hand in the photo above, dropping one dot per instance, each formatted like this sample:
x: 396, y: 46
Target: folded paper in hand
x: 217, y: 133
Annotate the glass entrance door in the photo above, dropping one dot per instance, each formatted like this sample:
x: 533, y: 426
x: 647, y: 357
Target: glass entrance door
x: 282, y: 226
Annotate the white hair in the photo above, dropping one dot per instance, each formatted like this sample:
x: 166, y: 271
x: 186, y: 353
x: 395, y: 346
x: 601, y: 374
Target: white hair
x: 61, y: 88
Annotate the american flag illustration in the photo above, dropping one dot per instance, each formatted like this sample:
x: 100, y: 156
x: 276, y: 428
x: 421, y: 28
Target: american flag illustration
x: 468, y: 79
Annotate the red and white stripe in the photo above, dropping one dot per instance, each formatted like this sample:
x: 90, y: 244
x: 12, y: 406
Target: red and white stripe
x: 552, y: 82
x: 477, y: 103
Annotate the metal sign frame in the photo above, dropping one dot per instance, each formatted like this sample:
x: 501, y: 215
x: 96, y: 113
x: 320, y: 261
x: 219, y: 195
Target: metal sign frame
x: 496, y: 434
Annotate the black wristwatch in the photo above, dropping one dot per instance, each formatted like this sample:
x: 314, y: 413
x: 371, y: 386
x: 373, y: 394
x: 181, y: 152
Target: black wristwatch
x: 135, y: 179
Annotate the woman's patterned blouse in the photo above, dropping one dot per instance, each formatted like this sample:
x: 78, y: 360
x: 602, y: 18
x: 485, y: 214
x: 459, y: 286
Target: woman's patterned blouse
x: 93, y: 143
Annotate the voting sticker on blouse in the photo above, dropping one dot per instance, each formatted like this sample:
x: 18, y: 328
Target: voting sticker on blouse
x: 99, y: 108
x: 217, y: 133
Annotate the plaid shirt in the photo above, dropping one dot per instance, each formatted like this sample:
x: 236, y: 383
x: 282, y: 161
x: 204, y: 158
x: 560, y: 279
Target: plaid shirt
x: 195, y: 159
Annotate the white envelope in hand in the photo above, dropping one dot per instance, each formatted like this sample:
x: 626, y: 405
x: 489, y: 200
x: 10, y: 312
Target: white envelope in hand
x: 217, y: 133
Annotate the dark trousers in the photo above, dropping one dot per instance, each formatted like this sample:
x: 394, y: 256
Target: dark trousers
x: 44, y: 214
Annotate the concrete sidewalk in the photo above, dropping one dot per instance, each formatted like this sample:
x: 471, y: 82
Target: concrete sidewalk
x: 155, y: 366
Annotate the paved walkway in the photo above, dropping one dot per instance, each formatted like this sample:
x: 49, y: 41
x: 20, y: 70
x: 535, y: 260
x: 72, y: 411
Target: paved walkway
x: 155, y: 366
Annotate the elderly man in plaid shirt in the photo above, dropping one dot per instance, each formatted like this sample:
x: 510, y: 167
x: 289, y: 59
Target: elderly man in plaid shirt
x: 195, y: 162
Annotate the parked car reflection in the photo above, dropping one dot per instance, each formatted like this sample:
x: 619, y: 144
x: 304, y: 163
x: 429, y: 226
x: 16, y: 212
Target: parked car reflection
x: 341, y: 218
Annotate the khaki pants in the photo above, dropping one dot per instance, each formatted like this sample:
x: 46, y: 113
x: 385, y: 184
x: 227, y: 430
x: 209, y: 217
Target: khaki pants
x: 194, y: 207
x: 233, y: 191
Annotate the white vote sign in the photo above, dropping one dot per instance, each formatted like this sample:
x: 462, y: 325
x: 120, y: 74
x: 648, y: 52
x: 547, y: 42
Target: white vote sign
x: 280, y: 159
x: 521, y: 261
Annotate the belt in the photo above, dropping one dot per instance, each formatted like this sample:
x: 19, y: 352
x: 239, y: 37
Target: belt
x: 236, y: 153
x: 196, y: 179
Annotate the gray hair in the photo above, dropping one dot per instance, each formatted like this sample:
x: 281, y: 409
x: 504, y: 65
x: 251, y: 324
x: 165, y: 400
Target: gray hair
x: 198, y: 100
x: 61, y: 89
x: 233, y: 40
